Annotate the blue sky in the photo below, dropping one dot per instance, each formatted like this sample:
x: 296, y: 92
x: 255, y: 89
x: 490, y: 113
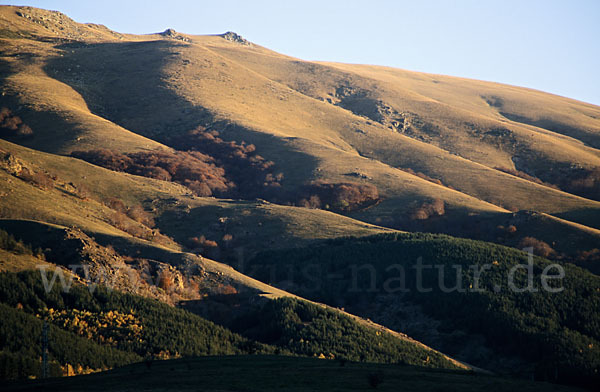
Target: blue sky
x: 548, y: 45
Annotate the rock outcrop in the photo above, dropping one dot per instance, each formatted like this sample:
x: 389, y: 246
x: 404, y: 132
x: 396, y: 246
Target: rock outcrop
x: 234, y: 37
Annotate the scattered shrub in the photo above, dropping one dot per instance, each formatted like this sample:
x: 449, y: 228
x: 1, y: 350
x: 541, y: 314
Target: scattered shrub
x: 342, y: 197
x: 138, y: 214
x: 226, y: 289
x: 192, y: 169
x: 589, y: 259
x: 585, y: 183
x: 129, y: 226
x: 38, y: 178
x: 592, y: 255
x: 82, y: 191
x: 313, y: 201
x: 116, y: 204
x: 252, y: 174
x: 435, y: 207
x: 540, y: 248
x: 10, y: 243
x: 201, y: 243
x: 205, y: 163
x: 12, y: 125
x: 165, y: 280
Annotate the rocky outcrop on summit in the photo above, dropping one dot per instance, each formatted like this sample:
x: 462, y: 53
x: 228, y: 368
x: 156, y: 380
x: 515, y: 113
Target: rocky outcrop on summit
x: 53, y: 24
x: 234, y: 37
x: 172, y: 34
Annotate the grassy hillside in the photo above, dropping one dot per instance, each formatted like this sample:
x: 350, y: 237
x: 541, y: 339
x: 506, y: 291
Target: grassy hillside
x: 301, y: 126
x: 83, y: 195
x: 119, y: 205
x: 161, y: 162
x: 416, y: 138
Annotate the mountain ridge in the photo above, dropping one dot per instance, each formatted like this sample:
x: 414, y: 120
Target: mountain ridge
x: 162, y: 152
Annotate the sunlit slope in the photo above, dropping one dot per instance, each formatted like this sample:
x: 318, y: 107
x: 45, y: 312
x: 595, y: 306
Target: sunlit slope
x: 27, y: 22
x: 56, y: 111
x: 80, y: 193
x: 173, y: 86
x: 125, y: 83
x: 462, y: 110
x: 315, y: 121
x: 83, y: 87
x: 549, y: 114
x: 31, y: 211
x: 453, y: 115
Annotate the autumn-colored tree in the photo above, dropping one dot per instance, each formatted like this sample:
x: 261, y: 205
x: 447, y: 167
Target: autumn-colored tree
x: 540, y: 248
x: 165, y: 280
x: 12, y: 125
x: 192, y: 169
x: 202, y: 242
x: 226, y: 289
x: 38, y: 178
x: 338, y: 196
x: 426, y: 210
x: 138, y: 214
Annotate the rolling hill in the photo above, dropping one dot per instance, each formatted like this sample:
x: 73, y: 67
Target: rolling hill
x: 176, y: 168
